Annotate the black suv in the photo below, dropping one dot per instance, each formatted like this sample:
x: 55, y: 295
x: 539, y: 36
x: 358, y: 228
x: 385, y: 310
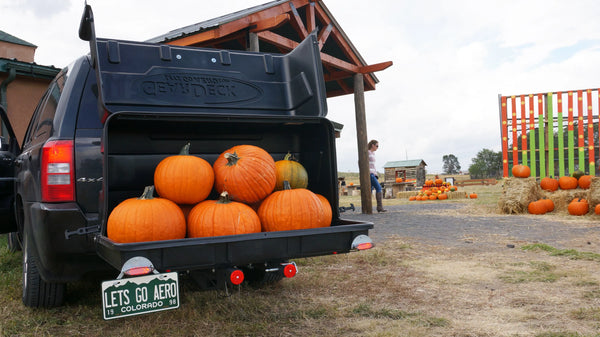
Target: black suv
x: 108, y: 119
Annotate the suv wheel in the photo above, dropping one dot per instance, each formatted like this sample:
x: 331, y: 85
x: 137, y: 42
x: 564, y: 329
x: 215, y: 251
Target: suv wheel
x: 36, y: 291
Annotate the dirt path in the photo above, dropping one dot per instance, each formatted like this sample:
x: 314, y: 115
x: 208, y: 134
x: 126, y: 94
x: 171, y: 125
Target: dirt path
x: 448, y: 225
x: 469, y: 269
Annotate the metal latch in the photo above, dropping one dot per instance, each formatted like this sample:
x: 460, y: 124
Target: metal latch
x: 82, y: 231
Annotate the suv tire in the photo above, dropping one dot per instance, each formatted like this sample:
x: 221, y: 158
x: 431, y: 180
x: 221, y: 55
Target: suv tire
x: 37, y: 292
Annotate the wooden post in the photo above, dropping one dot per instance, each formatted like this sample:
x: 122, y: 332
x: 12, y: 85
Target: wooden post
x: 253, y: 42
x: 361, y: 135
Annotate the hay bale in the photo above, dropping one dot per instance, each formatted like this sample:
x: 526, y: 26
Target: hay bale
x: 457, y: 195
x: 406, y: 194
x: 593, y: 194
x: 517, y: 193
x: 562, y: 198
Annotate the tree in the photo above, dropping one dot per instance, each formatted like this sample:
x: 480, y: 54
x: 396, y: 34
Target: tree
x: 487, y: 164
x: 451, y: 164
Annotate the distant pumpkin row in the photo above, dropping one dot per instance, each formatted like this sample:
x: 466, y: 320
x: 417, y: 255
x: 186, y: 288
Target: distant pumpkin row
x: 244, y: 176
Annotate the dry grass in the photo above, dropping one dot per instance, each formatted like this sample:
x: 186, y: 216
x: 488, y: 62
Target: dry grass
x: 399, y: 288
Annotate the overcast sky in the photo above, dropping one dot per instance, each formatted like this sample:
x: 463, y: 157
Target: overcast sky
x: 451, y: 60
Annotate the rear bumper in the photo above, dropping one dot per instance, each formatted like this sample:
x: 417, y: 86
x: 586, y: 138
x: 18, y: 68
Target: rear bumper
x: 62, y: 259
x: 235, y: 250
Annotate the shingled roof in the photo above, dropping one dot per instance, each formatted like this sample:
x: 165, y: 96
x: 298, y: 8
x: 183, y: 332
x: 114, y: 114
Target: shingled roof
x: 4, y: 36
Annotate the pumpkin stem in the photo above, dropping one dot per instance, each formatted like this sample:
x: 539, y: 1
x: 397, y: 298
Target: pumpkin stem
x: 185, y: 150
x: 224, y: 198
x: 232, y: 158
x: 148, y: 193
x: 286, y: 185
x: 289, y: 156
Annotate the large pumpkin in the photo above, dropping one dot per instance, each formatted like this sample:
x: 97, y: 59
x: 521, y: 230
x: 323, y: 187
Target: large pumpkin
x: 292, y: 171
x: 184, y: 179
x: 567, y: 183
x: 246, y: 172
x: 327, y: 209
x: 146, y: 219
x: 537, y: 207
x: 521, y: 171
x: 222, y: 217
x: 549, y: 184
x: 291, y: 209
x: 578, y: 206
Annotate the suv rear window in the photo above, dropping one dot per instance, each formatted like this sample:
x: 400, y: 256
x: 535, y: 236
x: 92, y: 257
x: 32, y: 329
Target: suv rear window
x: 88, y: 117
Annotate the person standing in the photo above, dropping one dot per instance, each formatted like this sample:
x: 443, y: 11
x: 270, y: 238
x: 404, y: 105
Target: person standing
x: 372, y: 147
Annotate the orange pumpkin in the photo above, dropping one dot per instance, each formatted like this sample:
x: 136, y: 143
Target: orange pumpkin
x: 537, y: 207
x: 184, y: 179
x: 292, y: 171
x: 399, y: 180
x: 578, y: 206
x: 443, y: 196
x: 549, y: 184
x: 328, y: 212
x: 597, y: 209
x: 222, y: 217
x: 246, y: 172
x: 412, y: 198
x: 291, y: 209
x: 584, y: 181
x: 433, y: 197
x: 567, y: 183
x: 473, y: 195
x: 145, y: 219
x: 521, y: 171
x: 549, y: 204
x: 438, y: 181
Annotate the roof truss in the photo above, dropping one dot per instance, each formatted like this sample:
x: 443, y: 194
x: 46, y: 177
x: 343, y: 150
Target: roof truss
x: 280, y: 28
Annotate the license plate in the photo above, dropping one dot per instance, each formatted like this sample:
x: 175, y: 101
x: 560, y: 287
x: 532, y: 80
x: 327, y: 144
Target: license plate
x: 140, y: 295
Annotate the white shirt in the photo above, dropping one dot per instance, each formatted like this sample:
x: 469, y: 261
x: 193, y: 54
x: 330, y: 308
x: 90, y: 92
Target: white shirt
x: 372, y: 168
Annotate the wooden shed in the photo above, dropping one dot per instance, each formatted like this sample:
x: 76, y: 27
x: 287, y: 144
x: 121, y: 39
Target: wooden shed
x: 411, y: 173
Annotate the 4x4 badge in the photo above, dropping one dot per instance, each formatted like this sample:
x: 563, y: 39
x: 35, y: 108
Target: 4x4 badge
x: 89, y: 180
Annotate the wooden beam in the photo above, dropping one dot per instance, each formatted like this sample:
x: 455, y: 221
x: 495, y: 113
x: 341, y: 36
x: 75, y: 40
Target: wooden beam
x: 270, y: 23
x: 277, y: 40
x: 375, y: 67
x: 324, y: 34
x: 363, y: 153
x: 284, y: 42
x: 297, y: 22
x: 311, y: 22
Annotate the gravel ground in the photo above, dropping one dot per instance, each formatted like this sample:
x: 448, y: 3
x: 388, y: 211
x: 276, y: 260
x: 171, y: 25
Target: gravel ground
x: 452, y: 225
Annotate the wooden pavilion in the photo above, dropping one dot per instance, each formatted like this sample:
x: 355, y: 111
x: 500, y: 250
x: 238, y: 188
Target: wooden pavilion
x: 278, y: 27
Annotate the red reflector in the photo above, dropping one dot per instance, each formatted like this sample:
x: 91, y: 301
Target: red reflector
x: 363, y: 246
x: 236, y: 277
x: 137, y: 271
x: 290, y: 270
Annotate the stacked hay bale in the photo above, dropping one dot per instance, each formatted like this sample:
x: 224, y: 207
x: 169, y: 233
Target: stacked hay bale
x: 517, y: 193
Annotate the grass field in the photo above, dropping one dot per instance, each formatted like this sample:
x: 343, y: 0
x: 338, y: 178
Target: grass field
x: 399, y: 288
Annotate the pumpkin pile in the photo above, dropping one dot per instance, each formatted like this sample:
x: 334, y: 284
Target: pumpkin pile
x: 255, y: 194
x: 438, y: 189
x: 566, y: 192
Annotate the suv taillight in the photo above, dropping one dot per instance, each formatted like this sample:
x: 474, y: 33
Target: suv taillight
x: 58, y: 182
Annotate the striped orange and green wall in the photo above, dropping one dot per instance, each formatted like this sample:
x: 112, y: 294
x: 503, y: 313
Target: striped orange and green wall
x: 554, y: 133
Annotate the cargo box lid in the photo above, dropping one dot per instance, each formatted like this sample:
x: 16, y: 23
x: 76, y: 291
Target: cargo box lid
x: 148, y: 77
